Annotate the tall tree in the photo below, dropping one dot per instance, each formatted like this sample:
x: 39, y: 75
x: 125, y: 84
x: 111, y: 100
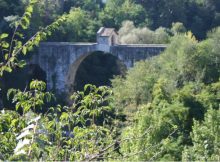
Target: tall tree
x: 116, y: 11
x: 164, y: 13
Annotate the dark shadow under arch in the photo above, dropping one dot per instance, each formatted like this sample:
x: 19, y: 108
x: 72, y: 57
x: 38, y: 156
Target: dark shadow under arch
x: 20, y: 78
x: 96, y: 68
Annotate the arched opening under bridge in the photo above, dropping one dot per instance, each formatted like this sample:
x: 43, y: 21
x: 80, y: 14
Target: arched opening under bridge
x: 97, y: 68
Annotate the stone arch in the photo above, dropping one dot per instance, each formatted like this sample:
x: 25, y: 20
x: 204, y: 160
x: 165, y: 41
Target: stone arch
x: 36, y: 72
x: 20, y: 78
x: 74, y: 67
x: 24, y: 76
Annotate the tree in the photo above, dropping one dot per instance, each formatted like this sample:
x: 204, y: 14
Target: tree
x: 85, y: 131
x: 88, y: 5
x: 79, y: 26
x: 44, y: 13
x: 205, y: 139
x: 32, y: 144
x: 161, y: 126
x: 8, y: 9
x: 129, y: 34
x: 172, y: 89
x: 117, y: 11
x: 172, y: 11
x: 13, y: 49
x: 178, y: 28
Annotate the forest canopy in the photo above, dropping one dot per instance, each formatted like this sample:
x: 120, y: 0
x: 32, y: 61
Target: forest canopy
x: 164, y: 108
x: 198, y: 16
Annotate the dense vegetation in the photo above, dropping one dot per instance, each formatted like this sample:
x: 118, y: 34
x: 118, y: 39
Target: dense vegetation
x: 164, y: 108
x: 86, y: 17
x: 178, y: 90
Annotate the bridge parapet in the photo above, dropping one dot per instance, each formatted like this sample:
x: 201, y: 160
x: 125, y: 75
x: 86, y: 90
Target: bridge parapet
x: 143, y: 45
x: 129, y: 54
x: 103, y: 47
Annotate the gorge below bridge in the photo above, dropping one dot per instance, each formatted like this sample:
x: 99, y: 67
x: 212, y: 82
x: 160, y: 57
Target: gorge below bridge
x: 61, y: 60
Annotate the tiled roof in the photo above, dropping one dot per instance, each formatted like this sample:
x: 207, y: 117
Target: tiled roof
x: 105, y: 31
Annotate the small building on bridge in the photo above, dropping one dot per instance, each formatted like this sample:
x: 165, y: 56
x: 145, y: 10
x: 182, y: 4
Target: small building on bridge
x: 107, y: 36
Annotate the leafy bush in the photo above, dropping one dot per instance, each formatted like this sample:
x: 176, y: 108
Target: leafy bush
x: 85, y: 131
x: 205, y: 139
x: 129, y: 34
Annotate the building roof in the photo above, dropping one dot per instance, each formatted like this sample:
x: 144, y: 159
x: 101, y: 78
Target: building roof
x: 105, y: 32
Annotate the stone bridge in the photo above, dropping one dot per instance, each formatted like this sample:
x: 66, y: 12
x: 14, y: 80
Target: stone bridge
x: 60, y: 60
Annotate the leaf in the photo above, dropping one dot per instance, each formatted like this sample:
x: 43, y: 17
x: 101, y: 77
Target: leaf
x: 6, y: 56
x: 29, y: 9
x: 24, y: 22
x: 5, y: 44
x: 38, y: 85
x: 17, y: 106
x: 12, y: 59
x: 20, y: 35
x: 39, y: 102
x: 26, y: 106
x: 50, y: 124
x: 14, y: 122
x: 11, y: 92
x: 21, y: 63
x: 8, y: 69
x: 33, y: 2
x: 30, y: 48
x: 64, y: 116
x: 48, y: 96
x: 4, y: 35
x: 24, y: 50
x: 88, y: 86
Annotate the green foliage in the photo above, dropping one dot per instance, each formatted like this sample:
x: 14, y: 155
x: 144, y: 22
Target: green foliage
x: 117, y: 11
x: 173, y: 91
x: 163, y: 123
x: 84, y: 131
x: 27, y: 140
x: 197, y: 16
x: 10, y: 125
x: 178, y: 28
x: 79, y: 26
x: 93, y: 104
x: 192, y: 61
x: 171, y: 112
x: 33, y: 99
x: 129, y: 34
x: 11, y: 51
x: 160, y: 133
x: 205, y: 139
